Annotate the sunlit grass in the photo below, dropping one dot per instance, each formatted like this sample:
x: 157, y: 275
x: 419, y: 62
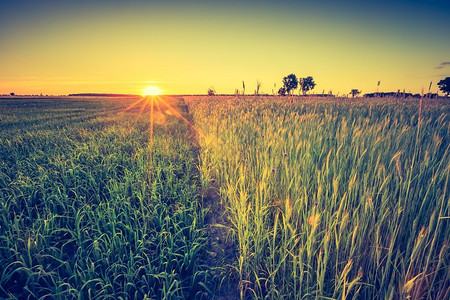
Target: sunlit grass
x: 332, y: 200
x: 326, y: 199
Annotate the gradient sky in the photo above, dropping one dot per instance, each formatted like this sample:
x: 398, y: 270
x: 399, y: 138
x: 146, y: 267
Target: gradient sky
x: 185, y: 47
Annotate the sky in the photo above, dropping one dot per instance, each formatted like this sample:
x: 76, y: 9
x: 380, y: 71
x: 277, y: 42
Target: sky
x: 185, y: 47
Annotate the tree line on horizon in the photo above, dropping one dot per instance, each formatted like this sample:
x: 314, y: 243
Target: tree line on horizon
x: 291, y: 82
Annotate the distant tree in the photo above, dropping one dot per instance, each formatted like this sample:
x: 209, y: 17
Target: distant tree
x: 12, y: 94
x: 290, y: 83
x: 355, y: 92
x: 243, y: 88
x: 282, y: 91
x: 211, y: 91
x: 236, y: 92
x: 444, y: 85
x: 307, y: 84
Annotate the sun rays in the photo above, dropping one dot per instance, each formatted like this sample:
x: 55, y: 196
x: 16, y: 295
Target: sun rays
x: 159, y: 108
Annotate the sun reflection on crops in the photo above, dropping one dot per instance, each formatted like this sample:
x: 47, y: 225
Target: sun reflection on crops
x: 164, y: 108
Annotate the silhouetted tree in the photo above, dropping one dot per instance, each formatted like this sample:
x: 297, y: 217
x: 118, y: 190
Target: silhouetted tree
x: 12, y: 94
x: 290, y: 83
x: 307, y: 84
x: 243, y: 88
x: 355, y: 92
x: 444, y: 85
x: 211, y: 91
x: 282, y: 91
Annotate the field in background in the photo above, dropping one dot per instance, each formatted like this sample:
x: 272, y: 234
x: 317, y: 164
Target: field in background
x: 329, y: 198
x: 78, y: 218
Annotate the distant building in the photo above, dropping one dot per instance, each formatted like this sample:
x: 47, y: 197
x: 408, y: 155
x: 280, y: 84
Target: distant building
x: 400, y: 95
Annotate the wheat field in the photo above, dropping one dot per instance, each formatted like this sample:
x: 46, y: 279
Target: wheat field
x: 332, y: 199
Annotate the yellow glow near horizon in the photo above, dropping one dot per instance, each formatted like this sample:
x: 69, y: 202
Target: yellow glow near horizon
x: 151, y: 91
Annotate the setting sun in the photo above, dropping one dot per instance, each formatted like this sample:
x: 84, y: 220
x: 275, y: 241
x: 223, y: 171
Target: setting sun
x: 151, y: 91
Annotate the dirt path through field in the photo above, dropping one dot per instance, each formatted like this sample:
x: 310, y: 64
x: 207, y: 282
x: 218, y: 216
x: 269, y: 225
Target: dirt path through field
x: 220, y: 250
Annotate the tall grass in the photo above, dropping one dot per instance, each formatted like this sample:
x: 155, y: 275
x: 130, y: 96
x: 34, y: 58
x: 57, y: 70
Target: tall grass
x: 78, y: 217
x: 332, y: 199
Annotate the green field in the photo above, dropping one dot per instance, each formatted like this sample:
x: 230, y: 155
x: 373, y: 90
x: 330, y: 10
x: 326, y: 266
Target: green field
x: 251, y: 198
x: 78, y: 216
